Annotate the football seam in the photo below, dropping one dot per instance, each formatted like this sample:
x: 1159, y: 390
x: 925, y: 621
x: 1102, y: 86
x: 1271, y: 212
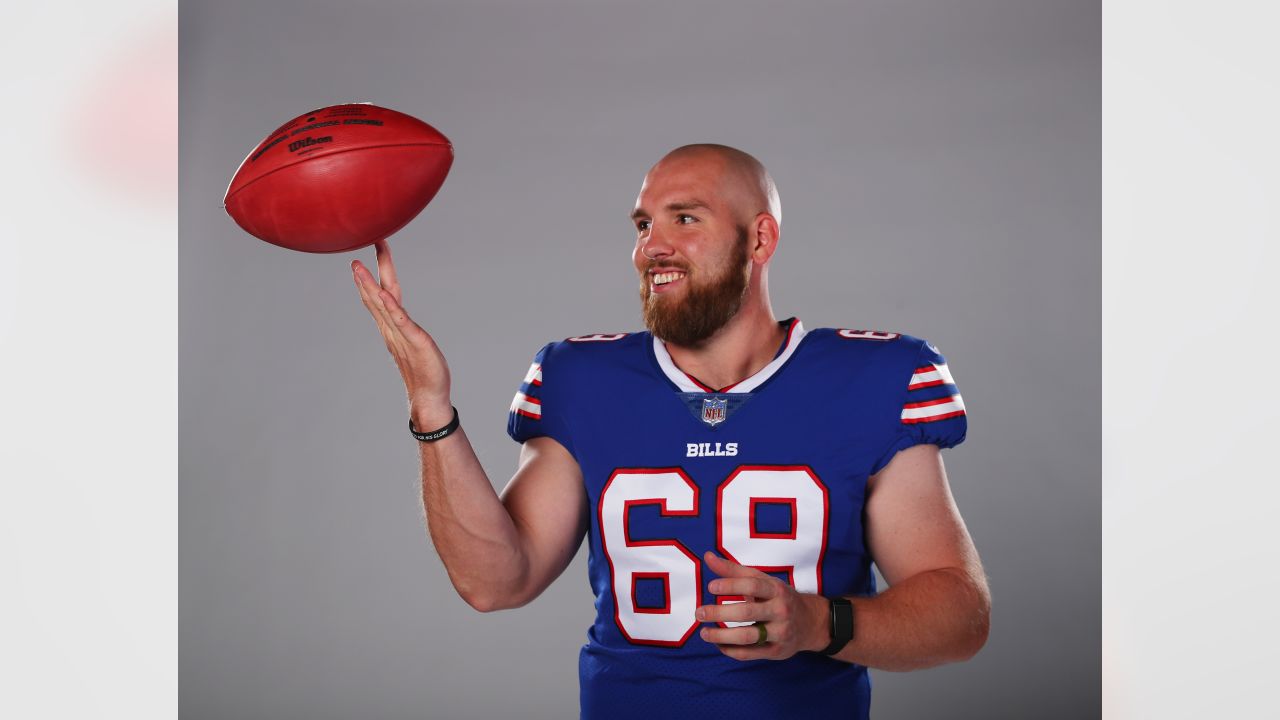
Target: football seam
x: 229, y: 195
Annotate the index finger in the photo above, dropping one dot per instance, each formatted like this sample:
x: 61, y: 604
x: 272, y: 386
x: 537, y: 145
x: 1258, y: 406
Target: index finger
x: 387, y: 269
x: 728, y: 568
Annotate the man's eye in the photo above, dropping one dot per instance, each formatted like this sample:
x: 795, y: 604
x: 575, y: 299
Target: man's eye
x: 642, y: 225
x: 685, y: 219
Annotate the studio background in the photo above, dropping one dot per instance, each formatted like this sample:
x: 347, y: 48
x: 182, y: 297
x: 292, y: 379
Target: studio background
x: 938, y: 168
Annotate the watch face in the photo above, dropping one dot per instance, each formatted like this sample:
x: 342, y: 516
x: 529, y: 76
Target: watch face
x: 842, y: 617
x: 841, y: 625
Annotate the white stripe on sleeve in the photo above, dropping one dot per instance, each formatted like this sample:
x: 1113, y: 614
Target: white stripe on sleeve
x: 529, y: 406
x: 931, y: 410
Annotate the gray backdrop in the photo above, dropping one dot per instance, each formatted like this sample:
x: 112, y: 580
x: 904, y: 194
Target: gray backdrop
x: 939, y: 170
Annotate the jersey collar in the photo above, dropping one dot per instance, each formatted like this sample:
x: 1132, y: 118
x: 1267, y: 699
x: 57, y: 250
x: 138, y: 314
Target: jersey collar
x: 687, y: 384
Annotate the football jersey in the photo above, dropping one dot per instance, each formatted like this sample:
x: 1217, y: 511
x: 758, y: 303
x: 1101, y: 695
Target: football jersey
x: 770, y: 472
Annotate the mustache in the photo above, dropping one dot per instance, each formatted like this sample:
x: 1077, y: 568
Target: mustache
x: 668, y: 266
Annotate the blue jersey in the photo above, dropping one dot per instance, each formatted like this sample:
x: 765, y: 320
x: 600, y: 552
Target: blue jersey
x: 770, y: 473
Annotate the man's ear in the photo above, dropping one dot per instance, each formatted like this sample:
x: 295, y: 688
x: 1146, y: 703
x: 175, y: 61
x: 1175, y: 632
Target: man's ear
x: 764, y: 238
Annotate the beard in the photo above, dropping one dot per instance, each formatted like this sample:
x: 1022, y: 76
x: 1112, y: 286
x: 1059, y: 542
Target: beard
x: 705, y: 308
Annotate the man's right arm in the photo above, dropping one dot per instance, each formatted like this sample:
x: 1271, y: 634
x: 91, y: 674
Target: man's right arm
x: 500, y: 552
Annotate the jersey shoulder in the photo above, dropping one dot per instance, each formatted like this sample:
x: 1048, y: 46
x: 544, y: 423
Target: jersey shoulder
x: 886, y: 351
x: 562, y: 375
x: 906, y: 375
x: 596, y: 352
x: 598, y: 343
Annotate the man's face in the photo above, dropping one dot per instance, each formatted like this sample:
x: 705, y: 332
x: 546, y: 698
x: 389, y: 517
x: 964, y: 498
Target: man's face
x: 690, y: 253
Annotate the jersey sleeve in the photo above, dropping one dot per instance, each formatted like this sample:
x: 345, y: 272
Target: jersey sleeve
x: 537, y: 408
x: 932, y: 409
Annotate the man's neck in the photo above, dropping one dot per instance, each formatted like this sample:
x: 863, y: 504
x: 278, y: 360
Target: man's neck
x: 737, y: 351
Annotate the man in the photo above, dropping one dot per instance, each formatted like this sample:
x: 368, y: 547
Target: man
x: 735, y: 477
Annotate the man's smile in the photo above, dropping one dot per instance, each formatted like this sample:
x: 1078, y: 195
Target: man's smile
x: 661, y: 279
x: 661, y: 282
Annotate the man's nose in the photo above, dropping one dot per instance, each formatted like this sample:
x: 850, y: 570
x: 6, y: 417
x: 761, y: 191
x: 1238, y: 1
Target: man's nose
x: 655, y: 245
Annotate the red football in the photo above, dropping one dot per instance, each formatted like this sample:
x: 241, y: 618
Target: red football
x: 338, y: 178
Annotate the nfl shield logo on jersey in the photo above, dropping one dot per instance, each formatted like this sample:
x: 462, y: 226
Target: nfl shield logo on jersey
x: 714, y: 410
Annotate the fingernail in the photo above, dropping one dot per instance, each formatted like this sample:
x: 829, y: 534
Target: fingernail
x: 701, y: 614
x: 703, y: 634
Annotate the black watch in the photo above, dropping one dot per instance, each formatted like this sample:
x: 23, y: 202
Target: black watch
x: 841, y: 625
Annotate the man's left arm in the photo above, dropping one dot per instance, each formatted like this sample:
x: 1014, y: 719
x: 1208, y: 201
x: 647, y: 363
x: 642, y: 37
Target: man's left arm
x: 936, y: 609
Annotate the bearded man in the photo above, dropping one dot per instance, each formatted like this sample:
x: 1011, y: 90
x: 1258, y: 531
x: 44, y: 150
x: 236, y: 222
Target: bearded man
x: 732, y: 520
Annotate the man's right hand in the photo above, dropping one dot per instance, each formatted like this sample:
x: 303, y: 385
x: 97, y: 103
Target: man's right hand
x: 422, y: 365
x: 500, y: 551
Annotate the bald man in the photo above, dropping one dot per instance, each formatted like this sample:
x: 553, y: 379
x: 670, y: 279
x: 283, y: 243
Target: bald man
x: 735, y: 476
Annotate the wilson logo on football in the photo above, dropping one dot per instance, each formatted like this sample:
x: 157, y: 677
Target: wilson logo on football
x: 297, y: 145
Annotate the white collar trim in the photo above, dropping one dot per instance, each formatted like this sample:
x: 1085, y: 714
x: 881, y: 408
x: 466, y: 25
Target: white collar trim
x: 682, y: 381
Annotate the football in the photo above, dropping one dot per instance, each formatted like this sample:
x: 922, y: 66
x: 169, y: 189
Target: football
x: 338, y: 178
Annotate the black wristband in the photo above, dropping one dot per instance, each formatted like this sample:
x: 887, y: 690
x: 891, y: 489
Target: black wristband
x: 841, y: 625
x: 435, y: 435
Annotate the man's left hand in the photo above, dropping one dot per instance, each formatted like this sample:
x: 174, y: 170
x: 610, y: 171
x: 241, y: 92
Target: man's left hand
x: 793, y: 621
